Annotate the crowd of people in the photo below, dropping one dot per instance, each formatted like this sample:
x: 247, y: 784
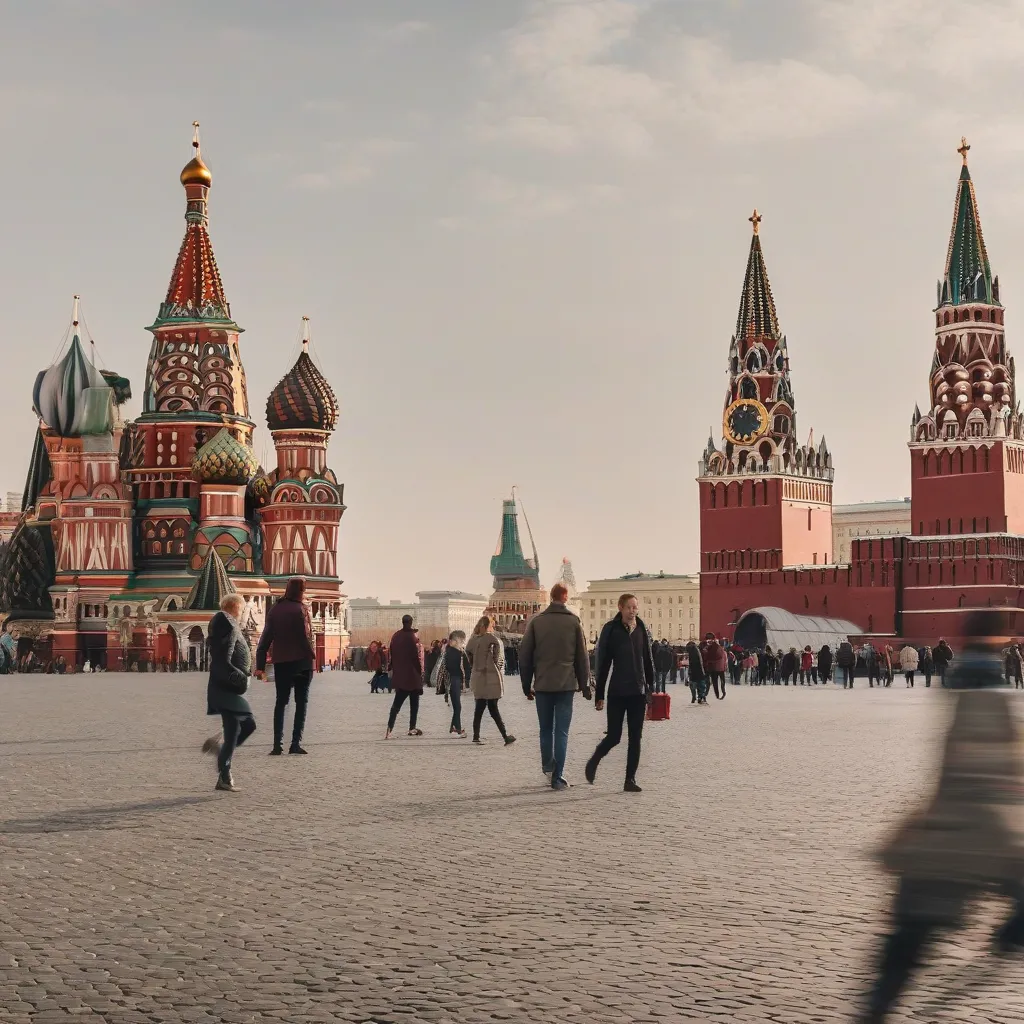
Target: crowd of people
x: 552, y: 662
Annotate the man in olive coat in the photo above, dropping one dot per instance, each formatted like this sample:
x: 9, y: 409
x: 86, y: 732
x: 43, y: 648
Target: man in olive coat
x: 553, y: 665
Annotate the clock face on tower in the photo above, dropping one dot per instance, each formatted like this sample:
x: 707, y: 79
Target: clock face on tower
x: 745, y: 420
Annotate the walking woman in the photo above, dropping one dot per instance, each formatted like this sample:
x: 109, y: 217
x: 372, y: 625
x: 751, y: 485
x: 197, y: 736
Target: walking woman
x: 487, y: 678
x: 290, y: 632
x: 230, y: 665
x: 456, y: 668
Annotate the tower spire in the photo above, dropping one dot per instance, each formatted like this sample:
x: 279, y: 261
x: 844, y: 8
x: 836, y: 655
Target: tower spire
x: 196, y: 292
x: 968, y: 274
x: 305, y: 335
x: 757, y: 317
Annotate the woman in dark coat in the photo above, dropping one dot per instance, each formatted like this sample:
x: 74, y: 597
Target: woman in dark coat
x: 288, y: 636
x: 825, y: 663
x: 230, y: 665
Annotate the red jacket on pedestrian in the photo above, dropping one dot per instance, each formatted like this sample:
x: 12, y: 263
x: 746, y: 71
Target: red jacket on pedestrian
x: 407, y: 660
x: 715, y: 657
x: 807, y: 660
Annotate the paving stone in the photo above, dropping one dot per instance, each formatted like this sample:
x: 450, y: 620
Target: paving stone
x: 430, y: 881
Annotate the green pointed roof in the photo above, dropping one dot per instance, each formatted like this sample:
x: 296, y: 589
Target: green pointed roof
x: 968, y: 276
x: 211, y: 587
x: 757, y: 317
x: 509, y: 560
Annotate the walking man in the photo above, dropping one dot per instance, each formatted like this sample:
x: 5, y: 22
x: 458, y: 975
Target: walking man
x: 624, y: 650
x: 289, y: 631
x: 407, y: 665
x: 942, y: 656
x: 553, y: 665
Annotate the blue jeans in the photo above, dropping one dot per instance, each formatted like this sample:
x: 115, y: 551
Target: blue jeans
x: 554, y: 712
x: 660, y: 679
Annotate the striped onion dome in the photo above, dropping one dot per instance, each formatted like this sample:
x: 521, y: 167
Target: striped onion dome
x: 224, y: 460
x: 72, y: 397
x: 302, y: 400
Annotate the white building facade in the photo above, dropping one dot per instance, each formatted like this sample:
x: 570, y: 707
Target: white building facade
x: 436, y: 613
x: 867, y: 519
x: 669, y: 604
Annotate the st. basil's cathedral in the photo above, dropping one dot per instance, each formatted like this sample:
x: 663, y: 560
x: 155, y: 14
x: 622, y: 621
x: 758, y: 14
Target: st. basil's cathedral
x: 131, y: 532
x: 766, y: 499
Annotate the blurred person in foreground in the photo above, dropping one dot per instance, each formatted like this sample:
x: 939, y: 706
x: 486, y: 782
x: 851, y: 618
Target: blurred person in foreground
x: 966, y: 842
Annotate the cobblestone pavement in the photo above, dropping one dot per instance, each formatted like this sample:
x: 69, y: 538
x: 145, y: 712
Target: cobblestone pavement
x: 430, y: 880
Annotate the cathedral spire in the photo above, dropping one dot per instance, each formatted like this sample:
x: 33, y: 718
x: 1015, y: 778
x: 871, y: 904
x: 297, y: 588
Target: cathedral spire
x: 196, y: 292
x: 968, y: 274
x: 757, y: 317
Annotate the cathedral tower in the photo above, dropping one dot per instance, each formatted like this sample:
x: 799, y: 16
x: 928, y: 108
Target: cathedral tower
x: 765, y: 500
x: 195, y: 386
x: 303, y: 499
x: 517, y: 591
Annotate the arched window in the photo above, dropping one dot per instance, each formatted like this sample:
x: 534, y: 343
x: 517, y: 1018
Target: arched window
x: 748, y: 387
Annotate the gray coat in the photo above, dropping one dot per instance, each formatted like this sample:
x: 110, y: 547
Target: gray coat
x: 230, y: 665
x: 487, y: 660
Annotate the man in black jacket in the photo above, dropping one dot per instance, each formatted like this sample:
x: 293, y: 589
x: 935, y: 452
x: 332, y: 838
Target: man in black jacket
x: 624, y: 650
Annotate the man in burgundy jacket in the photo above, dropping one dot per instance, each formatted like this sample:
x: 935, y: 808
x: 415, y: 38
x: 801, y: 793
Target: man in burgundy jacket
x: 406, y: 675
x: 289, y: 632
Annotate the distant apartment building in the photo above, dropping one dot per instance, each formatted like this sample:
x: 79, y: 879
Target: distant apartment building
x: 867, y: 519
x: 12, y: 502
x: 669, y: 604
x: 436, y: 613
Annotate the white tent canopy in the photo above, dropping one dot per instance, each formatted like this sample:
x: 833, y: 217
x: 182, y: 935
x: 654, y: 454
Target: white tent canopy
x: 777, y: 628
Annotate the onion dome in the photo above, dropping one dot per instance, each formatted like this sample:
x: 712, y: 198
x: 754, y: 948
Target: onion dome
x: 72, y: 397
x: 224, y: 460
x: 195, y: 172
x: 303, y: 400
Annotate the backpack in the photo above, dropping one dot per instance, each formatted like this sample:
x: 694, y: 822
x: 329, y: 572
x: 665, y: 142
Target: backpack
x: 439, y: 677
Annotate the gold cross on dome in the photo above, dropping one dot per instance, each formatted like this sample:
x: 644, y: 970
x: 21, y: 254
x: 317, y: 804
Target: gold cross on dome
x: 964, y: 147
x: 755, y: 219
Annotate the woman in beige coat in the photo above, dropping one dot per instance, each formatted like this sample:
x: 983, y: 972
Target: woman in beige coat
x: 487, y: 679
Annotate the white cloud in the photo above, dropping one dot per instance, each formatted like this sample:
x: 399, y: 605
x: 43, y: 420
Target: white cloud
x: 357, y: 162
x: 519, y: 200
x: 406, y: 29
x: 600, y: 74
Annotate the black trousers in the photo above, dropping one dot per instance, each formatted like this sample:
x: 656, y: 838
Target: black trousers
x: 396, y: 706
x: 478, y: 716
x: 901, y: 952
x: 289, y: 676
x: 237, y: 729
x: 632, y: 709
x: 718, y: 682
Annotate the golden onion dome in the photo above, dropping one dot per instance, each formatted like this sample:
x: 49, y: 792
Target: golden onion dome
x: 224, y: 460
x: 195, y: 172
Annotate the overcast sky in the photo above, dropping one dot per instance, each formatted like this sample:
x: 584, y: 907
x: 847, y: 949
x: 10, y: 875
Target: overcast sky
x: 520, y: 229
